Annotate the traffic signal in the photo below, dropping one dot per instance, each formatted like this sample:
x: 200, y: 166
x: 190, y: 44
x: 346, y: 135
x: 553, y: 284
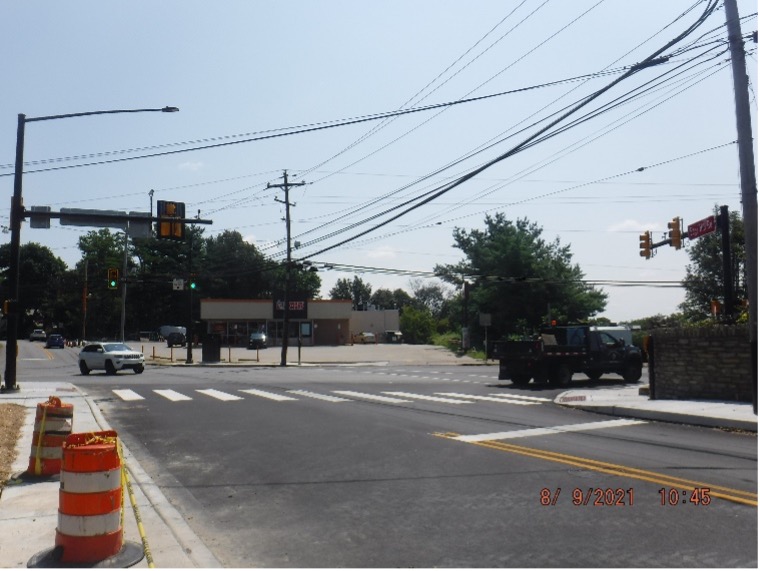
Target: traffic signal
x: 168, y: 213
x: 645, y: 245
x: 674, y: 233
x: 113, y: 278
x: 192, y: 284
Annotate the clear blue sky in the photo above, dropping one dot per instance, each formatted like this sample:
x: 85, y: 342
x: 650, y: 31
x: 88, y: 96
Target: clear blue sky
x: 238, y: 69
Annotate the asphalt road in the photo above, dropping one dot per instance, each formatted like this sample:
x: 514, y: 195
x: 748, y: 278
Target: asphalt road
x: 286, y: 475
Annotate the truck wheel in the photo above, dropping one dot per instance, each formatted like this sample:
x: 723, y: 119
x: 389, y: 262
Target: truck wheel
x: 632, y: 372
x: 110, y: 369
x: 520, y: 380
x: 562, y: 376
x: 83, y: 368
x: 540, y: 378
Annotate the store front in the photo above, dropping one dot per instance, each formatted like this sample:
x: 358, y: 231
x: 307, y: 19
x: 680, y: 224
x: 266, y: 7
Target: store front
x: 313, y: 322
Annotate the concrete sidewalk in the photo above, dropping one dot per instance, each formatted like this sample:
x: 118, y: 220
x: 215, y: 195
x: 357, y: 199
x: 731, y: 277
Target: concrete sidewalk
x: 29, y: 505
x: 628, y: 402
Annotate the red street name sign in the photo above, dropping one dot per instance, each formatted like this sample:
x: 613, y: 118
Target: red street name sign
x: 704, y: 226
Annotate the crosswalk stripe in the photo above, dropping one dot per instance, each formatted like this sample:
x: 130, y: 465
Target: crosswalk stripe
x: 426, y: 397
x: 127, y: 394
x: 521, y: 397
x: 548, y: 430
x: 369, y: 396
x: 266, y: 395
x: 320, y: 396
x: 218, y: 394
x: 173, y: 396
x: 491, y: 399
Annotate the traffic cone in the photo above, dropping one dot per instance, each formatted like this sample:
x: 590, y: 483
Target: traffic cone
x: 90, y: 509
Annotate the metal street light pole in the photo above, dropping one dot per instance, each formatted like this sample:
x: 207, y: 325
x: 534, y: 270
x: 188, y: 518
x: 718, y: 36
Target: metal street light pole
x: 17, y: 215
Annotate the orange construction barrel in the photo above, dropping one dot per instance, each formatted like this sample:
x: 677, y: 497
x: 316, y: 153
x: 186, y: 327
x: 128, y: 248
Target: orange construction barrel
x: 52, y: 424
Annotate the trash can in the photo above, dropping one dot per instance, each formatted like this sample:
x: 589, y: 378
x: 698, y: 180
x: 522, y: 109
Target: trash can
x: 212, y: 348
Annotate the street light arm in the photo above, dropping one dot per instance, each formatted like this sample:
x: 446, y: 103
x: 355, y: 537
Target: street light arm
x: 167, y: 109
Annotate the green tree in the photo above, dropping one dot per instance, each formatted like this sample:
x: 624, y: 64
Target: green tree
x: 417, y: 325
x: 704, y: 279
x: 357, y: 290
x: 518, y: 277
x: 384, y: 298
x: 42, y: 284
x: 429, y: 295
x: 101, y: 249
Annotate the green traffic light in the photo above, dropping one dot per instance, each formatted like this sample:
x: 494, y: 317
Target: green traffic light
x: 192, y: 285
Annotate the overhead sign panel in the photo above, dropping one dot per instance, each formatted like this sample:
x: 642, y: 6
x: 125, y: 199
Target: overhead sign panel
x: 91, y: 217
x: 139, y: 228
x: 39, y: 217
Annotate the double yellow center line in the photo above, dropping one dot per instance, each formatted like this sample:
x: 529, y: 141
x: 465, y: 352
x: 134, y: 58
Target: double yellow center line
x: 730, y: 494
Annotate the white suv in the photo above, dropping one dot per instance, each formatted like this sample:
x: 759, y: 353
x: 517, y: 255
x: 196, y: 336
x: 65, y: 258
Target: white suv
x: 110, y: 357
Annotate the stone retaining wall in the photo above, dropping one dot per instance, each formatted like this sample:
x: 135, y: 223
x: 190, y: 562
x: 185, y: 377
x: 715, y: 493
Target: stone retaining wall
x: 711, y: 363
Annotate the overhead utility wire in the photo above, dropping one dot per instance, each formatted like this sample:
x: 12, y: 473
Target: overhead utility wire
x: 650, y: 60
x: 490, y: 143
x: 523, y: 56
x: 570, y: 149
x: 494, y: 188
x: 388, y: 121
x: 310, y: 128
x: 364, y: 221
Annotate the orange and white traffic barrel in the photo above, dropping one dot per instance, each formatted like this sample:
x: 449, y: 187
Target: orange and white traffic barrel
x: 90, y: 507
x: 52, y: 424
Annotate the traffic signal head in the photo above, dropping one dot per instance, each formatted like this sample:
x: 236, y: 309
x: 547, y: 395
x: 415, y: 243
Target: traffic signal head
x: 645, y: 245
x: 168, y: 213
x: 113, y: 278
x: 674, y: 233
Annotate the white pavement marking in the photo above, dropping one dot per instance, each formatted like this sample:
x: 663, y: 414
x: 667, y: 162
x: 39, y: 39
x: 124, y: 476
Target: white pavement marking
x: 319, y: 396
x: 548, y: 430
x: 266, y: 395
x: 426, y: 397
x: 218, y: 394
x: 173, y: 396
x: 369, y: 396
x: 521, y: 397
x: 491, y: 399
x: 127, y: 394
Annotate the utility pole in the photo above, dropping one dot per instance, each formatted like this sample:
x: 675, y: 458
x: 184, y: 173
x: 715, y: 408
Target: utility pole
x: 746, y: 174
x: 286, y: 309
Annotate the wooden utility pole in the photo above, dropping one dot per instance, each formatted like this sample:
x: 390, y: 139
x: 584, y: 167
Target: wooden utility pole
x: 746, y: 173
x: 288, y: 265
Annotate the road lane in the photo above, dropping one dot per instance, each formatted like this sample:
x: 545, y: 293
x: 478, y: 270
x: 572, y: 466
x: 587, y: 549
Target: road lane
x: 310, y: 482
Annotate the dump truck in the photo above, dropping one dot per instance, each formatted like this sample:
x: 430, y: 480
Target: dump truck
x: 558, y: 352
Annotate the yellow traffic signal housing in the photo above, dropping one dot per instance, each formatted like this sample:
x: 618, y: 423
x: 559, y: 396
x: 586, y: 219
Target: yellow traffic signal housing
x: 113, y: 278
x: 645, y: 245
x: 674, y: 233
x: 168, y: 226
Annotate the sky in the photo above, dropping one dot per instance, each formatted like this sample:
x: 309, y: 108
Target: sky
x: 265, y: 87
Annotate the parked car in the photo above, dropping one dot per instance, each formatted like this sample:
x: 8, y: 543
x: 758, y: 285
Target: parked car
x: 38, y: 335
x: 54, y: 340
x: 175, y: 338
x: 364, y: 337
x: 110, y: 357
x: 257, y: 340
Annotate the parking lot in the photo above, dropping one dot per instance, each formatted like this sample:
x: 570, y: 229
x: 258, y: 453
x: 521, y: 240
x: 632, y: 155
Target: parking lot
x: 380, y: 353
